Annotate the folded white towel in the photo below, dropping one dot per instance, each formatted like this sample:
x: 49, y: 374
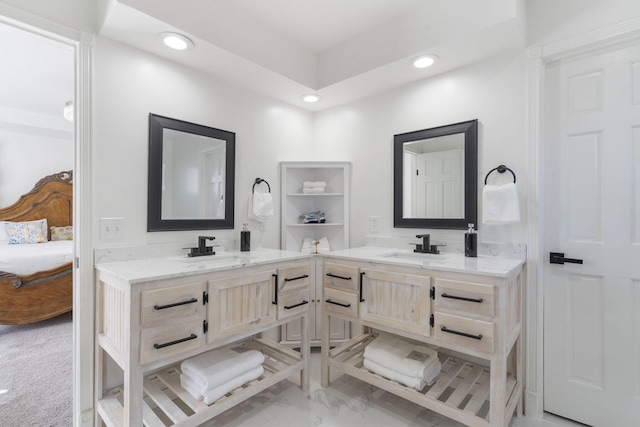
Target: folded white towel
x: 217, y: 367
x: 314, y: 184
x: 260, y: 205
x: 408, y: 358
x: 417, y: 383
x: 500, y: 204
x: 209, y: 396
x: 313, y: 190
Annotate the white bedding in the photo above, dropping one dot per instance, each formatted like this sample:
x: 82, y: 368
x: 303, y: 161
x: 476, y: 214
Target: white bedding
x: 29, y: 259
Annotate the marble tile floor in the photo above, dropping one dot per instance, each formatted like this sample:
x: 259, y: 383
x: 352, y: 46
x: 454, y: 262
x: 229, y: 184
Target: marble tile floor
x: 347, y: 402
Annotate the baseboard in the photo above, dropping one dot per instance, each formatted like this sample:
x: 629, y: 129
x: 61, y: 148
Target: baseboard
x: 85, y: 419
x: 533, y: 407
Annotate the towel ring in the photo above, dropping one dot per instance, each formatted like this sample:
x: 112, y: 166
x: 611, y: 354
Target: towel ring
x: 258, y: 181
x: 500, y: 169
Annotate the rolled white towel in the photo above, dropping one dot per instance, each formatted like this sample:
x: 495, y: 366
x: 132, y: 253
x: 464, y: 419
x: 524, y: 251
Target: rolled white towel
x: 209, y: 396
x: 417, y: 383
x: 213, y: 368
x: 403, y: 356
x: 314, y: 184
x: 313, y: 190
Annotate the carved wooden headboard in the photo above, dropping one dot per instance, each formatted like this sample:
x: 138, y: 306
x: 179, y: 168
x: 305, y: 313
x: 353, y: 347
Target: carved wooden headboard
x: 50, y: 198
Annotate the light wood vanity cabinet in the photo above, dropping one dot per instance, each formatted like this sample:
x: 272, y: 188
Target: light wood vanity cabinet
x: 147, y: 327
x: 474, y: 321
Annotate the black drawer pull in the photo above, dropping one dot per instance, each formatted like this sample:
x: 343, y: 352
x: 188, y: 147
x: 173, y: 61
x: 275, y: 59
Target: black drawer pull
x: 464, y: 334
x: 462, y: 298
x: 175, y: 304
x: 338, y: 277
x: 338, y: 303
x: 289, y: 307
x: 304, y: 276
x: 167, y: 344
x: 361, y: 280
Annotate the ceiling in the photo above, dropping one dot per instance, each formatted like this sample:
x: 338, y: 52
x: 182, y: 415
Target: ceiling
x: 341, y: 50
x: 36, y: 80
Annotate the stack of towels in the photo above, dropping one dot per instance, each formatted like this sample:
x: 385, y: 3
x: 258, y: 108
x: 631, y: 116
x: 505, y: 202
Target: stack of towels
x: 316, y: 217
x: 211, y: 375
x: 314, y: 187
x: 410, y: 363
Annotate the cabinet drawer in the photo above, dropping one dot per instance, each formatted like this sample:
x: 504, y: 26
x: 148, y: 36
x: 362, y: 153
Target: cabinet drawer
x: 170, y: 340
x: 293, y: 303
x: 293, y: 279
x: 465, y: 298
x: 463, y: 331
x: 341, y: 276
x: 340, y: 302
x: 172, y: 304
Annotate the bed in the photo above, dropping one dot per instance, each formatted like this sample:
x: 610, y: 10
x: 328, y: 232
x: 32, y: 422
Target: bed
x: 36, y: 281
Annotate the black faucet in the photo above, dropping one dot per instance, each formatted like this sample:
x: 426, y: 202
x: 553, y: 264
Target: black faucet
x: 202, y: 248
x: 426, y: 247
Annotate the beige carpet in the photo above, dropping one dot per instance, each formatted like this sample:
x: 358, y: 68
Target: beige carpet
x: 36, y: 374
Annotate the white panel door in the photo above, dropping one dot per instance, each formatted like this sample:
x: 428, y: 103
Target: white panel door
x: 439, y: 184
x: 592, y: 213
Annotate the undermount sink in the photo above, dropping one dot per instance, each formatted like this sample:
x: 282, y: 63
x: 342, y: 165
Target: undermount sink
x: 416, y: 256
x: 219, y: 257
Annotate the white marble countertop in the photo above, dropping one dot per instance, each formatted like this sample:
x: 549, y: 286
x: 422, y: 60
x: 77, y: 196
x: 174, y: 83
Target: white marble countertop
x: 455, y: 262
x: 140, y: 270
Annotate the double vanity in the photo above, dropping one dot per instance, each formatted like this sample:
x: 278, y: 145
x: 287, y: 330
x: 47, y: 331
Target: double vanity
x: 156, y: 312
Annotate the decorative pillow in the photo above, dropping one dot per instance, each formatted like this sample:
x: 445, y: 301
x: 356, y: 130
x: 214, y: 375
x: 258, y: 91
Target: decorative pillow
x: 61, y: 233
x: 26, y: 232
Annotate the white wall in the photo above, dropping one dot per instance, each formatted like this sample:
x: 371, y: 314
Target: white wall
x: 362, y: 132
x: 129, y: 84
x: 25, y: 158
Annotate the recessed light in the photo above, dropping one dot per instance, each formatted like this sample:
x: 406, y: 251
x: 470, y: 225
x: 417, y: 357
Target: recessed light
x: 176, y: 41
x: 424, y: 61
x: 311, y: 98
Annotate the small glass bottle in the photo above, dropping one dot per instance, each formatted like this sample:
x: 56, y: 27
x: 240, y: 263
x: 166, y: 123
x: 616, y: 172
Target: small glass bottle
x: 245, y: 239
x: 471, y: 242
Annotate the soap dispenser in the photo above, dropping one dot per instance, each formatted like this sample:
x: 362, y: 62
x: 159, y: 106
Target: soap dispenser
x: 245, y: 239
x: 471, y: 242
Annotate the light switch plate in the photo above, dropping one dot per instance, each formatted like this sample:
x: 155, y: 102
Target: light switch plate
x: 111, y: 228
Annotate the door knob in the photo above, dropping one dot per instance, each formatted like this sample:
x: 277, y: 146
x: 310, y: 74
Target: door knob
x: 558, y: 258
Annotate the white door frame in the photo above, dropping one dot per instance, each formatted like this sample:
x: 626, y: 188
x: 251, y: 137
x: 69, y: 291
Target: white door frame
x: 538, y: 58
x: 83, y: 282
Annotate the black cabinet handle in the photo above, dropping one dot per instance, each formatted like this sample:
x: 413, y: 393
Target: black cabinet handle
x: 338, y: 277
x: 462, y: 298
x: 361, y: 280
x: 338, y: 303
x: 304, y: 276
x: 464, y: 334
x: 167, y: 344
x: 175, y: 304
x: 275, y: 290
x: 289, y: 307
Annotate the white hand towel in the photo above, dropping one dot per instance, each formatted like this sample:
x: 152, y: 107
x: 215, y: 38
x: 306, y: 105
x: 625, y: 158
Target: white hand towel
x: 213, y: 368
x: 312, y: 190
x: 209, y: 396
x: 403, y: 356
x: 416, y: 383
x: 260, y: 205
x: 314, y: 184
x: 500, y: 204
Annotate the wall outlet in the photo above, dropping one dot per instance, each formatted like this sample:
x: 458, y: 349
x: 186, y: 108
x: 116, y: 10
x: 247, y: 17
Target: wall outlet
x: 373, y: 224
x: 111, y: 228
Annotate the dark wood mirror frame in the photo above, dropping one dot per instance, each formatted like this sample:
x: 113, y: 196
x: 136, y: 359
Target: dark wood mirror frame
x: 157, y: 124
x: 470, y: 130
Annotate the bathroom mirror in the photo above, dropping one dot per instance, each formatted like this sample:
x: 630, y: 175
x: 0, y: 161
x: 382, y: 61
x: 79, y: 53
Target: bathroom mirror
x: 191, y: 176
x: 435, y: 177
